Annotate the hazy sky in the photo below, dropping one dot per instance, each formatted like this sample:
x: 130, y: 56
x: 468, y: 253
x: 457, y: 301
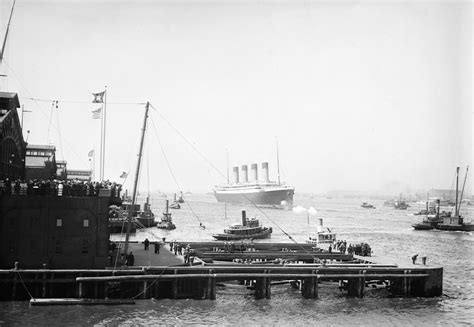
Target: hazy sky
x: 361, y: 95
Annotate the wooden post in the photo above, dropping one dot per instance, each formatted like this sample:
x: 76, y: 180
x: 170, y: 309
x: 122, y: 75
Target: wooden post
x: 175, y: 286
x: 106, y: 290
x: 43, y: 291
x: 316, y: 284
x: 14, y: 285
x: 145, y: 290
x: 268, y: 284
x: 211, y: 286
x: 80, y: 290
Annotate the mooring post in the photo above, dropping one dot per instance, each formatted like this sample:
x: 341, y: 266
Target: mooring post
x: 268, y: 284
x: 405, y: 284
x: 211, y: 286
x: 175, y: 285
x: 316, y: 285
x: 362, y: 284
x: 145, y: 290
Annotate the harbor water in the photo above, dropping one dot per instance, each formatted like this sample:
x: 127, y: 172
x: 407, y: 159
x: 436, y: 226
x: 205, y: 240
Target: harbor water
x: 388, y: 231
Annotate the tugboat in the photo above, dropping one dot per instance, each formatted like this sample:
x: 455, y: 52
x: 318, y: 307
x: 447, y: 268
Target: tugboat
x: 176, y: 203
x: 367, y: 205
x: 180, y: 200
x: 166, y: 221
x: 322, y: 236
x: 250, y: 229
x: 457, y: 223
x: 400, y: 204
x: 431, y: 221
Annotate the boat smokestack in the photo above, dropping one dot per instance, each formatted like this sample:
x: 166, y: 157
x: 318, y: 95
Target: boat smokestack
x: 319, y: 228
x: 167, y: 204
x: 245, y: 175
x: 265, y: 171
x: 236, y: 174
x: 254, y: 168
x: 244, y: 218
x: 437, y: 207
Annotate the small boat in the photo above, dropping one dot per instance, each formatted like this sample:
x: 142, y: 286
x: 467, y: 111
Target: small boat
x: 249, y: 229
x: 367, y: 205
x: 166, y: 221
x: 323, y: 236
x: 175, y: 205
x: 401, y: 205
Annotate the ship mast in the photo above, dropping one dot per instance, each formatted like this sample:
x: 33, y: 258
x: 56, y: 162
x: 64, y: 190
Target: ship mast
x: 2, y: 53
x: 137, y: 172
x: 278, y: 163
x: 456, y: 203
x: 462, y: 191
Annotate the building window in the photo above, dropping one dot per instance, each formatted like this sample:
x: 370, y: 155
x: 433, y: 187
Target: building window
x: 59, y: 247
x: 86, y: 222
x: 85, y: 246
x: 59, y: 222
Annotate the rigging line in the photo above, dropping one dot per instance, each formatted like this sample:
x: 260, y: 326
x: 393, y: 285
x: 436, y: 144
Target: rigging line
x: 169, y: 167
x: 189, y: 143
x: 212, y: 165
x: 24, y: 285
x: 79, y: 102
x: 59, y: 132
x: 43, y: 113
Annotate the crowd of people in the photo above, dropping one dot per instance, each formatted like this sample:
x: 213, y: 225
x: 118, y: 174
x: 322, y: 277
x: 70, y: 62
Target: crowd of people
x: 362, y: 249
x: 185, y: 251
x: 53, y: 187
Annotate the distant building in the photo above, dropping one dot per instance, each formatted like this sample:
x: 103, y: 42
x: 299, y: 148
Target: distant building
x: 40, y: 162
x: 12, y: 145
x: 82, y: 175
x: 442, y: 194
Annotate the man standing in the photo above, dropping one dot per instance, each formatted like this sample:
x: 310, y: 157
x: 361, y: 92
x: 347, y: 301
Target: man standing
x: 157, y: 247
x: 147, y: 244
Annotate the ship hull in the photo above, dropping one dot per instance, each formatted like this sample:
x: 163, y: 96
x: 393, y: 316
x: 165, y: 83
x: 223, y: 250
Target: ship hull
x: 266, y: 233
x: 262, y: 197
x: 463, y: 228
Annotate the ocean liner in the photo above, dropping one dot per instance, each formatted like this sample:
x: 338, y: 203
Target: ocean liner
x: 255, y: 192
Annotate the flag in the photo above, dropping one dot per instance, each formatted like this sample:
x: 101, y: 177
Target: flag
x: 124, y: 175
x: 98, y: 97
x: 91, y: 153
x: 96, y: 113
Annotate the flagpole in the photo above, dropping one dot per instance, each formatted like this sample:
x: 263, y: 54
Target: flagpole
x: 101, y: 141
x: 105, y: 125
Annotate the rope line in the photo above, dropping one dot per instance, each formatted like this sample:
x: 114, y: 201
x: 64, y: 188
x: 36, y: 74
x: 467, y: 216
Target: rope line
x: 224, y: 176
x: 169, y: 168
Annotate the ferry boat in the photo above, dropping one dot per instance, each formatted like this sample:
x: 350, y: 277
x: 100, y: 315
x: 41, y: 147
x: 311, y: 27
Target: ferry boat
x: 249, y: 229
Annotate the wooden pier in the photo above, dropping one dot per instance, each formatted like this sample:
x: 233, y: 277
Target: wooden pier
x: 258, y: 268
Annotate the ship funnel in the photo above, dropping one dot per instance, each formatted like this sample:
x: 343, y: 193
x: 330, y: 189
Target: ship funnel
x: 236, y: 174
x: 265, y: 171
x: 245, y: 175
x: 244, y: 218
x: 319, y: 228
x: 254, y: 168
